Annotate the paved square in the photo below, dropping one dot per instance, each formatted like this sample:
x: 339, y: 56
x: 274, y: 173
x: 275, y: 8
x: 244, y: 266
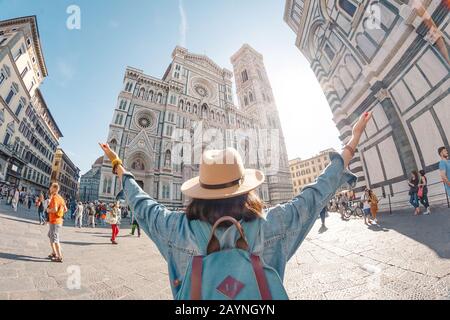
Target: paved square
x: 407, y: 257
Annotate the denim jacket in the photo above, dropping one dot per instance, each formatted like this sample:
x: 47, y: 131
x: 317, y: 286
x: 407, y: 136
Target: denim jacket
x: 278, y: 234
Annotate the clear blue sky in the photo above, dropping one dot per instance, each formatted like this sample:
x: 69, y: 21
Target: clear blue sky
x: 86, y: 66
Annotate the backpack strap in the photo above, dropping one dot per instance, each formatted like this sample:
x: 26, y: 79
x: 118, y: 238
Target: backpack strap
x: 260, y: 277
x: 202, y: 232
x: 196, y: 278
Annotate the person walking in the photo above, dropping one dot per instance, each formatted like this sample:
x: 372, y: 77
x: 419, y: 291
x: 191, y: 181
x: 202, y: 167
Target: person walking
x: 56, y: 210
x: 343, y: 203
x: 113, y: 219
x: 103, y: 214
x: 444, y: 168
x: 366, y: 206
x: 16, y: 199
x: 413, y: 189
x: 91, y: 215
x: 40, y: 206
x: 29, y: 201
x: 25, y: 200
x: 323, y: 214
x: 226, y: 209
x: 135, y: 225
x: 45, y: 204
x: 422, y: 192
x: 373, y: 200
x: 79, y: 215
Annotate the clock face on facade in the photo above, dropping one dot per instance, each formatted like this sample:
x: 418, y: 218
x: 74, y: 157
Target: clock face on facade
x: 201, y: 91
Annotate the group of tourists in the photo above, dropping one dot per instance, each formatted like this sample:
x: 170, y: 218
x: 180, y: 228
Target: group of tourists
x: 88, y: 213
x: 418, y: 183
x: 15, y: 197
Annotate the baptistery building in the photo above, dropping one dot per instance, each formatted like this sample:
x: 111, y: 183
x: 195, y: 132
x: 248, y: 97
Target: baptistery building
x: 389, y: 57
x: 161, y: 126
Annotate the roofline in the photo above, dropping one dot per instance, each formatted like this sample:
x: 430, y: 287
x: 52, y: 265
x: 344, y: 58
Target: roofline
x: 33, y: 21
x: 38, y: 91
x: 241, y: 49
x: 64, y: 154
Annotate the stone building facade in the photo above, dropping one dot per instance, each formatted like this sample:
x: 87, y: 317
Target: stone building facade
x: 90, y: 182
x: 66, y: 174
x: 29, y: 135
x: 306, y: 171
x: 161, y: 126
x: 389, y: 57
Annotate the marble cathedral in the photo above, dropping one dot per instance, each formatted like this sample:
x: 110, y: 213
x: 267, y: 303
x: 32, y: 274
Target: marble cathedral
x: 389, y: 57
x: 196, y: 93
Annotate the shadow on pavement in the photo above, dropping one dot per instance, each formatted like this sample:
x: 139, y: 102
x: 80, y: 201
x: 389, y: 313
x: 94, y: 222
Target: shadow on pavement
x: 20, y: 219
x: 78, y: 243
x: 432, y: 230
x: 377, y: 227
x: 11, y: 256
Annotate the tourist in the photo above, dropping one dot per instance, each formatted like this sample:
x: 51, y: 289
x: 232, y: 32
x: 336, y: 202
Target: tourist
x: 16, y: 199
x: 56, y: 210
x: 113, y: 220
x: 444, y: 168
x: 135, y: 225
x: 40, y: 205
x: 25, y: 200
x: 422, y: 192
x: 29, y: 201
x: 79, y: 215
x: 91, y: 215
x: 323, y: 214
x: 46, y: 202
x: 226, y: 193
x: 366, y: 206
x: 413, y: 189
x: 373, y: 200
x: 343, y: 203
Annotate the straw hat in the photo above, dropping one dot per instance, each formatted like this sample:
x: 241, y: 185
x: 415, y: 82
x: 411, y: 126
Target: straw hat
x: 222, y: 175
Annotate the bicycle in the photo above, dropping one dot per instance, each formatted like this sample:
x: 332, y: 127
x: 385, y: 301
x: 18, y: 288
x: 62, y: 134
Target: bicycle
x: 353, y: 209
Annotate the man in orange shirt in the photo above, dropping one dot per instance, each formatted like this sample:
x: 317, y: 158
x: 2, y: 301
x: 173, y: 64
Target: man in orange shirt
x: 56, y: 209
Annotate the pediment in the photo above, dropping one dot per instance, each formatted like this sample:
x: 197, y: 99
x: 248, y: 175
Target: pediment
x: 140, y: 143
x: 205, y: 62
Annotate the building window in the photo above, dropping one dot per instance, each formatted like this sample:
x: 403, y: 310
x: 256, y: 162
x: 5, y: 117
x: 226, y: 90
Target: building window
x: 6, y: 140
x: 9, y: 96
x: 244, y: 75
x: 167, y: 159
x: 19, y: 108
x: 329, y: 52
x: 296, y: 11
x: 250, y: 96
x: 19, y: 53
x: 24, y: 72
x: 166, y: 191
x: 245, y: 101
x: 2, y: 77
x: 31, y: 85
x: 348, y: 7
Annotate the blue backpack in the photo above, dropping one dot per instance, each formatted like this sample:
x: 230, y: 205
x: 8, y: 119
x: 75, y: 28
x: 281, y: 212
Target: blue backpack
x: 229, y: 274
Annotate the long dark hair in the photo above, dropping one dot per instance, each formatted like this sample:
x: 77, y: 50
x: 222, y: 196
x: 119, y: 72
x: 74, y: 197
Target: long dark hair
x: 245, y: 207
x: 416, y: 175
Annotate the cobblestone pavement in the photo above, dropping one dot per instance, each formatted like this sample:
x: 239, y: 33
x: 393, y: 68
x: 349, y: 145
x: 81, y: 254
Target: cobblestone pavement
x: 406, y: 257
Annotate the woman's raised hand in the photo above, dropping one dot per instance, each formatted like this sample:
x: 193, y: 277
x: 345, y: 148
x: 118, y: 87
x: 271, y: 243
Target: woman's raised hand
x: 108, y: 151
x: 359, y: 126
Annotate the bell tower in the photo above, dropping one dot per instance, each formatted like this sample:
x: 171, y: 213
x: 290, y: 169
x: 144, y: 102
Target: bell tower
x: 255, y: 98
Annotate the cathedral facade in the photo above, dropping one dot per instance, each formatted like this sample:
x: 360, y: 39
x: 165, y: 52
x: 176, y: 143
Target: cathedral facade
x: 389, y: 57
x: 161, y: 126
